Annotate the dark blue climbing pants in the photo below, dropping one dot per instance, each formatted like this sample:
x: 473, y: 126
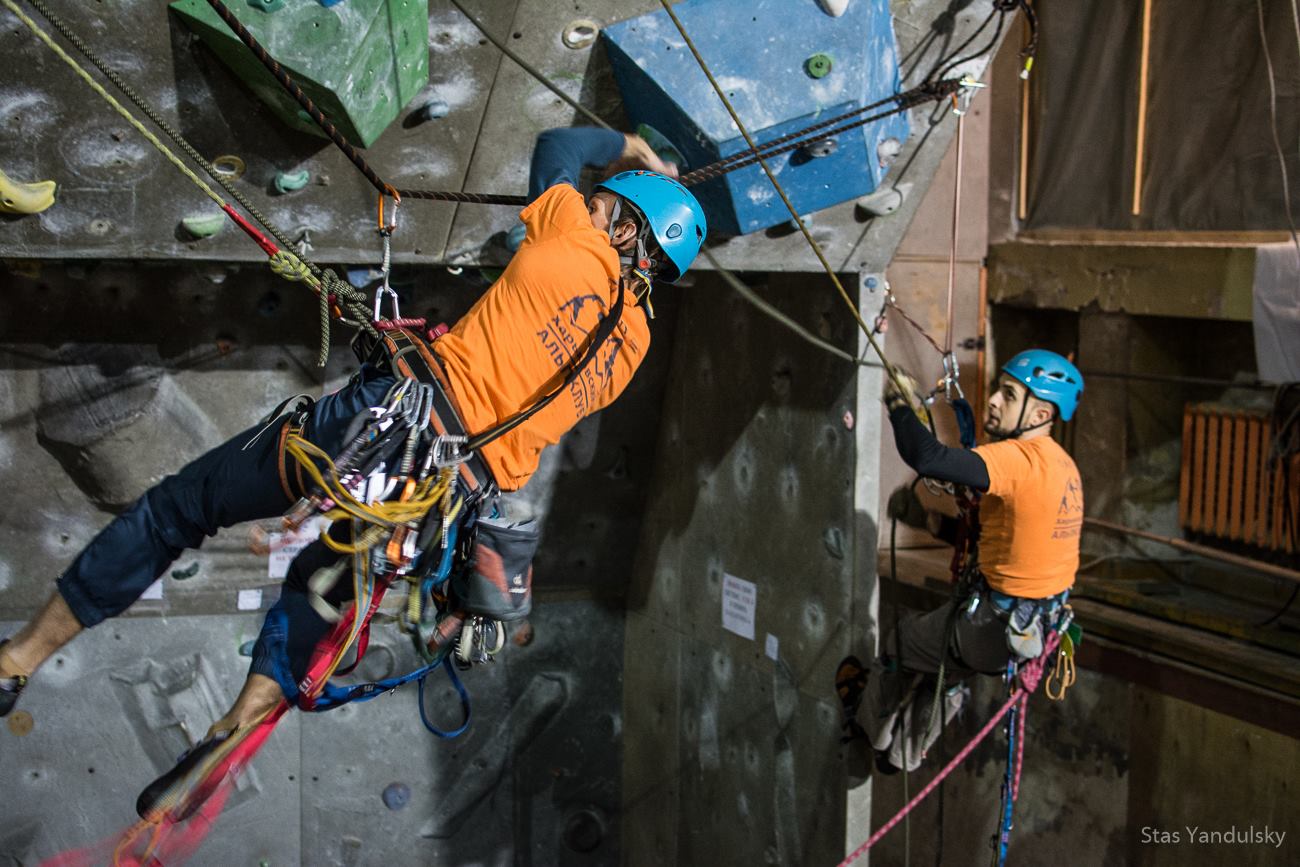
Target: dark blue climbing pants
x: 235, y: 482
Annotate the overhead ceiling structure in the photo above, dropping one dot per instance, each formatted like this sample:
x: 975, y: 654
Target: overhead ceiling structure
x: 138, y: 328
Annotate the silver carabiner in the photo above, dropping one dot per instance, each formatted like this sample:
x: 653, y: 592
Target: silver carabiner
x: 385, y: 269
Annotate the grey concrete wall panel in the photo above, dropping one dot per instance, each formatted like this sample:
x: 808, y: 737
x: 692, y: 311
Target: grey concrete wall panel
x: 533, y: 781
x: 754, y: 478
x: 115, y: 708
x: 118, y: 198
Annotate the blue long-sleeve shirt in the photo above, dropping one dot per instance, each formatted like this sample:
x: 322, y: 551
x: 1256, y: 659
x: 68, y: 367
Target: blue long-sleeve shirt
x: 560, y: 155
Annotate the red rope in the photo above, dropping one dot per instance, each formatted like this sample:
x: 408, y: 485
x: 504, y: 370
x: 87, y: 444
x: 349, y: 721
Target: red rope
x: 267, y: 245
x: 1030, y: 674
x: 394, y: 324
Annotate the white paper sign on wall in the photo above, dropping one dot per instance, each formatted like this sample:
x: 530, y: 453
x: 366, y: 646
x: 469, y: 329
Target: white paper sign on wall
x: 739, y: 602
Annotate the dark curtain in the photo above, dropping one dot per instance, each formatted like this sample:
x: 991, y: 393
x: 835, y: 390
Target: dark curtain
x: 1210, y: 160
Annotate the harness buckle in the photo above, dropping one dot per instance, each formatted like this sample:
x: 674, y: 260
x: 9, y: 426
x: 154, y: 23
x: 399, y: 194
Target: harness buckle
x: 447, y: 451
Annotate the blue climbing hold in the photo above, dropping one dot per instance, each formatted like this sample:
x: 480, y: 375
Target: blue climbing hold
x: 396, y: 796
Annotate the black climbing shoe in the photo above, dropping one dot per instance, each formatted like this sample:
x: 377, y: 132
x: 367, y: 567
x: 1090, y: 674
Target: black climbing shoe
x: 167, y: 794
x: 850, y: 683
x: 10, y: 689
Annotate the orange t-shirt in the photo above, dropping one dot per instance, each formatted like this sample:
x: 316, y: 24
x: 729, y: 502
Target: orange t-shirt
x: 1030, y: 518
x: 510, y: 348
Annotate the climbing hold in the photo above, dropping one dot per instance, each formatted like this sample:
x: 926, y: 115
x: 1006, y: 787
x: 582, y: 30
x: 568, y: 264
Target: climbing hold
x: 887, y: 150
x: 833, y: 8
x: 19, y: 198
x: 20, y: 723
x: 187, y: 572
x: 266, y: 5
x: 246, y: 649
x: 821, y: 148
x: 818, y: 65
x: 884, y: 201
x: 659, y: 143
x: 229, y: 166
x: 580, y: 33
x: 204, y: 225
x: 431, y: 109
x: 288, y: 182
x: 396, y: 796
x: 515, y: 237
x: 833, y: 539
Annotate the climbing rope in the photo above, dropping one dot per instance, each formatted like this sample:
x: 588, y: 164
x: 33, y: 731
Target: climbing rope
x: 757, y: 153
x: 158, y: 121
x: 927, y: 92
x: 531, y: 70
x: 283, y: 262
x: 328, y: 127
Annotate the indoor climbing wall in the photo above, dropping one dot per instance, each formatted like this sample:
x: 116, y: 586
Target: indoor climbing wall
x: 134, y: 334
x: 743, y: 597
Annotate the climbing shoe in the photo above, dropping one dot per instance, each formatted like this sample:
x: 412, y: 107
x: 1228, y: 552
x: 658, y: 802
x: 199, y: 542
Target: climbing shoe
x: 174, y: 792
x: 850, y: 683
x: 10, y: 688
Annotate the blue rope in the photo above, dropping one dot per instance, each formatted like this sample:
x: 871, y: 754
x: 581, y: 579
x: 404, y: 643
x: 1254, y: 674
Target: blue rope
x: 1008, y: 805
x: 464, y: 703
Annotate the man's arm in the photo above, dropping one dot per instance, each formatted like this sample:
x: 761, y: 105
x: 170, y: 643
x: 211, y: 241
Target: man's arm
x: 931, y: 458
x: 561, y: 154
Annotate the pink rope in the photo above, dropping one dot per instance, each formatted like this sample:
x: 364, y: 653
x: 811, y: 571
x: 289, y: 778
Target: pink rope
x: 1030, y: 675
x: 1020, y: 746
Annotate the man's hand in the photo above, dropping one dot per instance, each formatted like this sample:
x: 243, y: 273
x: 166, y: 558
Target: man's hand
x: 639, y: 155
x: 908, y: 396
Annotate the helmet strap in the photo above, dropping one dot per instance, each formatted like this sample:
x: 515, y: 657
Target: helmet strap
x: 615, y: 210
x: 1020, y: 429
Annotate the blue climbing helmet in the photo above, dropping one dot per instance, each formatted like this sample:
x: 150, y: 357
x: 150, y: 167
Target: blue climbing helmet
x: 672, y: 213
x: 1049, y: 377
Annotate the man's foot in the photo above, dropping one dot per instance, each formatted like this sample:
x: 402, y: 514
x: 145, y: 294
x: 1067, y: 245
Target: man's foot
x: 174, y: 792
x: 10, y: 688
x: 850, y: 683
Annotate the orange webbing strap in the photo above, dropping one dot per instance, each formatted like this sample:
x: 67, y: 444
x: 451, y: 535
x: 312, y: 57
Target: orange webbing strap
x: 287, y: 430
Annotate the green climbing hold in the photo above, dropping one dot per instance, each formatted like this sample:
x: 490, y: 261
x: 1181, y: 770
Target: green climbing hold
x: 204, y: 225
x: 818, y: 66
x: 187, y: 572
x: 288, y: 182
x: 266, y: 5
x: 659, y: 143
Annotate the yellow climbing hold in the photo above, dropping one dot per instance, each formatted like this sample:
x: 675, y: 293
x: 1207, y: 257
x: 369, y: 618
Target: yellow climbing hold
x: 19, y: 198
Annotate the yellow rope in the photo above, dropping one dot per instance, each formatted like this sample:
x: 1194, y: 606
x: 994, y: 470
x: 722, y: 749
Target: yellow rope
x: 117, y: 106
x: 388, y: 514
x: 816, y: 248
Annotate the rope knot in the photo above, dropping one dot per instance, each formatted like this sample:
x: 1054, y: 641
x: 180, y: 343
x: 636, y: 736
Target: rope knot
x: 286, y: 264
